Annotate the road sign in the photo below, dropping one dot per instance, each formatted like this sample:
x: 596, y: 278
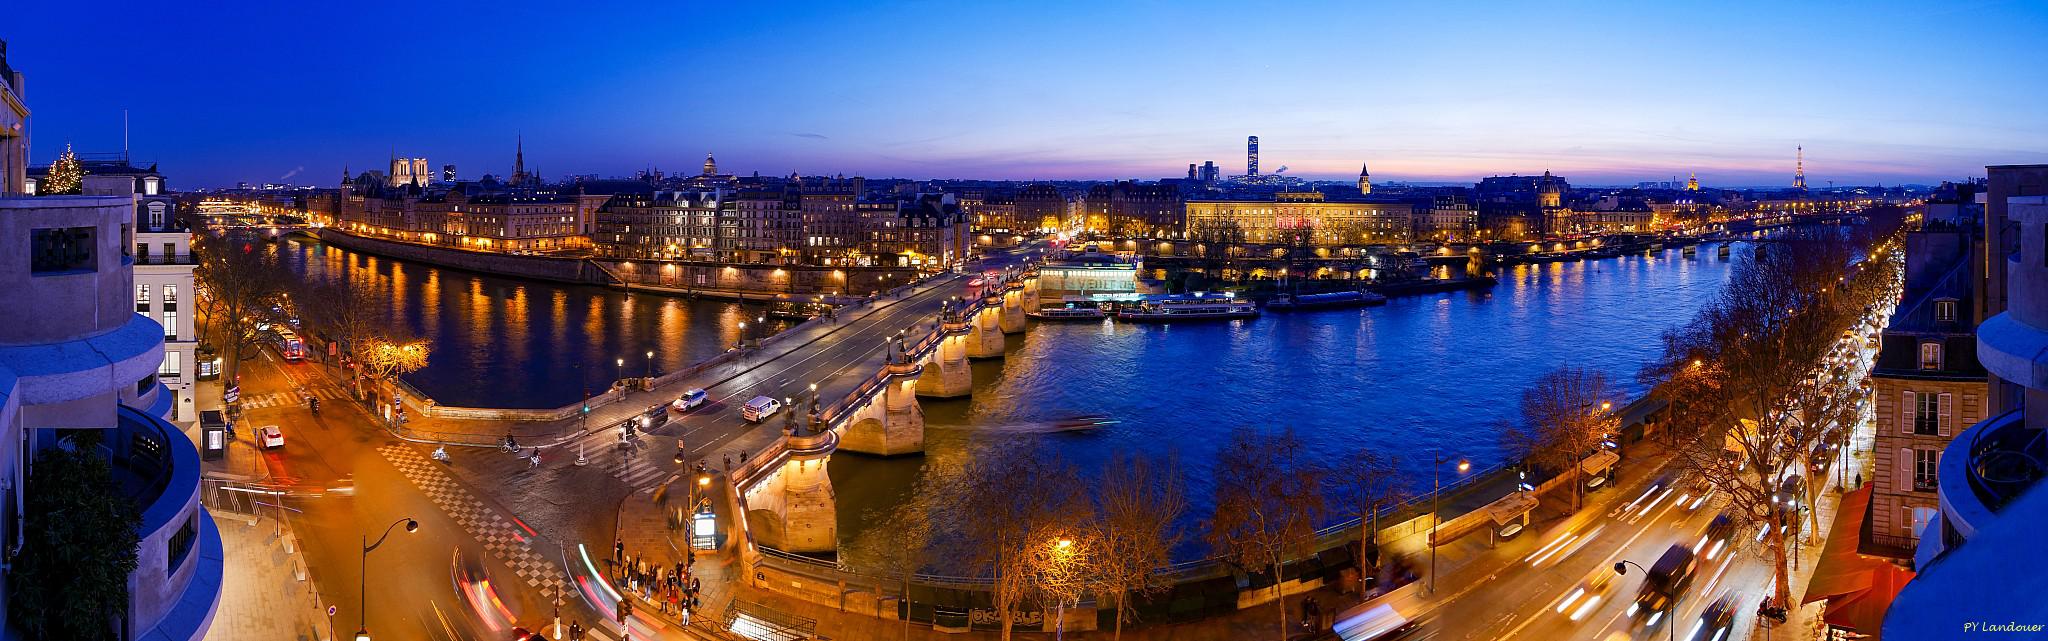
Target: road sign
x: 232, y: 394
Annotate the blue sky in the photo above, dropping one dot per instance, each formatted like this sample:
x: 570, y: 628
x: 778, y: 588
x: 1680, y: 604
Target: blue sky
x: 1599, y: 92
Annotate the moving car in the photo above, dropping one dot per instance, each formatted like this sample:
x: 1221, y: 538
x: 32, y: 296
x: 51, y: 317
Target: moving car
x: 1719, y: 535
x: 1717, y: 620
x: 1380, y: 621
x: 1666, y: 581
x: 690, y: 400
x: 270, y: 437
x: 1587, y: 597
x: 760, y: 408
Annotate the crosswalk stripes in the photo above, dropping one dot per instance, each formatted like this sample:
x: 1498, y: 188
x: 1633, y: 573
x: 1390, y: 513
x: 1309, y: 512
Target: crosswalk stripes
x: 490, y: 529
x: 635, y: 468
x: 278, y: 399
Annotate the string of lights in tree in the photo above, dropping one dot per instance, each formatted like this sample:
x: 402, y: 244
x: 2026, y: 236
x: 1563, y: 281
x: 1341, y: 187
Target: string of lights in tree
x: 66, y: 175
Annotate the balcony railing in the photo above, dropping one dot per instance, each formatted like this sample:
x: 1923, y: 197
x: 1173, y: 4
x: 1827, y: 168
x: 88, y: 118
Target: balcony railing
x: 2005, y: 459
x: 166, y: 259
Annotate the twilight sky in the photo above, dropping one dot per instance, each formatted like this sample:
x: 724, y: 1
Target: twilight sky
x: 1602, y: 93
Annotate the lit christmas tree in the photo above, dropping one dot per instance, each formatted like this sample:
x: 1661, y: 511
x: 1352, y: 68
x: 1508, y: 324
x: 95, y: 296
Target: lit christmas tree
x: 65, y: 175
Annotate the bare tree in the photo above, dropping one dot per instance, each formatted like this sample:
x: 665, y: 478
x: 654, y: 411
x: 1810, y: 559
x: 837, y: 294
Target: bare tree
x: 1565, y: 416
x: 1139, y: 500
x: 239, y: 283
x: 1753, y: 371
x: 348, y: 314
x: 1368, y: 483
x: 1269, y: 497
x: 1005, y: 507
x: 897, y: 543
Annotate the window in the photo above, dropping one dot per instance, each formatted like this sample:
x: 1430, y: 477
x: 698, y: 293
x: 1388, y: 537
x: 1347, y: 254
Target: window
x: 1921, y: 517
x: 142, y: 298
x: 1930, y: 355
x: 156, y: 215
x: 1925, y: 464
x: 1944, y: 310
x: 60, y: 250
x: 150, y: 187
x: 170, y: 297
x: 173, y: 364
x: 170, y: 325
x: 1927, y: 415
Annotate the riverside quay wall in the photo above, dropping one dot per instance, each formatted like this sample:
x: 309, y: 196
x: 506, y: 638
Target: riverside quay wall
x: 705, y: 279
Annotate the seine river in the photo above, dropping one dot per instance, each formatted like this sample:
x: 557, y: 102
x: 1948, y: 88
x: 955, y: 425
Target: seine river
x: 1419, y: 375
x: 501, y: 342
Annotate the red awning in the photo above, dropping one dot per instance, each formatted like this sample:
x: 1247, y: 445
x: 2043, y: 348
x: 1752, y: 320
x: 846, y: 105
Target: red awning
x: 1858, y: 589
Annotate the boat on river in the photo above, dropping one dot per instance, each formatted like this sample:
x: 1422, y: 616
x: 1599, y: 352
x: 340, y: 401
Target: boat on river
x: 1331, y: 300
x: 1188, y: 308
x: 1068, y: 313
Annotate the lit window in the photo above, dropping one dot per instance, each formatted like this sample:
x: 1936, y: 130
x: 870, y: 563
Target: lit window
x: 170, y: 325
x: 172, y: 364
x: 141, y: 298
x: 1930, y: 355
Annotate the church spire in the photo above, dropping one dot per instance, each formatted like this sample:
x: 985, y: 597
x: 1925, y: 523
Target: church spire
x: 1364, y: 179
x: 519, y: 160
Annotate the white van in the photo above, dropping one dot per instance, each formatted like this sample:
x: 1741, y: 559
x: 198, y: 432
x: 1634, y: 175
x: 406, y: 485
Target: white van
x: 760, y: 408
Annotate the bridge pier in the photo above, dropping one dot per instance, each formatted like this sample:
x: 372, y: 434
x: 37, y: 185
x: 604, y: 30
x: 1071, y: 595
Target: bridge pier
x: 985, y: 337
x: 1029, y: 297
x: 946, y: 374
x: 1013, y: 318
x: 792, y: 506
x: 892, y: 423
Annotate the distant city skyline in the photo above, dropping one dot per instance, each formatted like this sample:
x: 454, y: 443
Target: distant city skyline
x: 1605, y: 95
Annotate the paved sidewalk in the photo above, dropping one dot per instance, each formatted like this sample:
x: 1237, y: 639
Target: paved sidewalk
x: 262, y: 597
x: 1804, y: 622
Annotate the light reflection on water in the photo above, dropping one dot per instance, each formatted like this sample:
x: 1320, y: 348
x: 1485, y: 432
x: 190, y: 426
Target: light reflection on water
x: 1419, y: 373
x: 512, y: 343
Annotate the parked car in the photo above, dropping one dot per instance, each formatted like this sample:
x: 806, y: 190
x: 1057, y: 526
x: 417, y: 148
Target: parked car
x: 690, y: 400
x: 270, y: 437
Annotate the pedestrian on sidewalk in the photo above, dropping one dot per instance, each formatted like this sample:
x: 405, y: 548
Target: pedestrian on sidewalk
x: 575, y: 630
x: 618, y: 550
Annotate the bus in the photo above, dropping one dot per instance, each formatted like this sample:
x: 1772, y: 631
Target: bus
x: 289, y: 346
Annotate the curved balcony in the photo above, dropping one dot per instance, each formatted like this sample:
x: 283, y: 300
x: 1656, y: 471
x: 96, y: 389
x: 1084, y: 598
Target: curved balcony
x: 176, y: 585
x: 1986, y: 467
x: 103, y: 363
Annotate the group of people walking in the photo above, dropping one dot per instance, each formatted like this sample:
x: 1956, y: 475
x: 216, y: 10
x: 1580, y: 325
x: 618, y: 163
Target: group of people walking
x: 673, y: 589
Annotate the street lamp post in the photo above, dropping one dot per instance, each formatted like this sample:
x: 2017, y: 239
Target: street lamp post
x: 1670, y: 627
x: 622, y: 370
x: 650, y: 363
x: 1435, y: 518
x: 363, y: 579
